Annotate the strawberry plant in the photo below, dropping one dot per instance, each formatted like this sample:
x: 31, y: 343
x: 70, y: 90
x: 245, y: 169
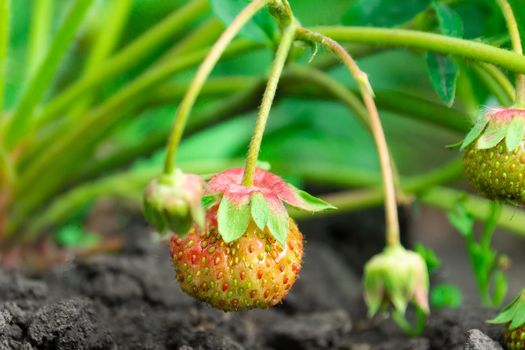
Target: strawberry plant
x: 90, y: 92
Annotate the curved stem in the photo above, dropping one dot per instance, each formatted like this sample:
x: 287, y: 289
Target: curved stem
x: 267, y: 101
x: 392, y: 223
x: 496, y: 82
x: 426, y: 41
x: 514, y: 32
x: 203, y: 72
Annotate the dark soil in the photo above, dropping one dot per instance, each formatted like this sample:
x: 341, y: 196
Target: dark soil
x: 132, y: 301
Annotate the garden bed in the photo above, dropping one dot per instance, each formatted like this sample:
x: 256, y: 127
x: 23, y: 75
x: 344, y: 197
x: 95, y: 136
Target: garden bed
x: 132, y: 301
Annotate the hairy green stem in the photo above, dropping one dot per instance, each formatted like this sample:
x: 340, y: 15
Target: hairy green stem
x: 496, y: 82
x: 126, y: 58
x: 514, y: 32
x: 22, y: 117
x: 4, y: 45
x: 392, y: 222
x: 427, y: 41
x: 267, y: 101
x: 202, y: 74
x: 39, y: 34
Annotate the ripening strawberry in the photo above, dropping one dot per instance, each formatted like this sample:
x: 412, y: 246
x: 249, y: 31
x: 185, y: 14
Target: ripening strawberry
x: 254, y: 271
x: 249, y: 253
x: 494, y: 155
x: 515, y: 338
x: 513, y: 317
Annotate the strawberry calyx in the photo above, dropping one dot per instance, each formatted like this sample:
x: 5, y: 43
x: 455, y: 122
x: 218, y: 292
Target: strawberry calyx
x: 497, y: 125
x: 513, y: 314
x: 263, y: 203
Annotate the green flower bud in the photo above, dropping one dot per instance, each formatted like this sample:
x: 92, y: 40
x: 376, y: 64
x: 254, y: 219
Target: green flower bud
x: 395, y: 277
x: 173, y: 202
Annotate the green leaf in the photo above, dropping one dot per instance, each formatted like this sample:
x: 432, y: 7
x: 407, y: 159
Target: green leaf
x: 260, y: 210
x: 450, y: 22
x: 443, y: 73
x: 446, y: 296
x: 311, y: 203
x: 519, y: 317
x: 232, y: 219
x: 508, y: 312
x: 476, y: 130
x: 515, y: 133
x: 278, y: 224
x: 382, y: 13
x: 261, y: 28
x: 493, y: 135
x: 430, y: 257
x: 461, y: 220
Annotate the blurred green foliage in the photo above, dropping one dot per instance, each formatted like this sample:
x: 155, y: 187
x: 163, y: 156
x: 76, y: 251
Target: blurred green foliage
x: 304, y: 133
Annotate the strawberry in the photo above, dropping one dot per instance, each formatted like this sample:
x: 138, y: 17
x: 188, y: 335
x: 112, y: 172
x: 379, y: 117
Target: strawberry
x: 395, y: 277
x: 255, y: 271
x: 513, y: 317
x: 494, y: 155
x: 515, y: 338
x: 249, y: 253
x: 173, y: 202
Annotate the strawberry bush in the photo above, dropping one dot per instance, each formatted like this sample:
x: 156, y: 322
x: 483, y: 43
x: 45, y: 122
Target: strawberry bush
x: 165, y: 107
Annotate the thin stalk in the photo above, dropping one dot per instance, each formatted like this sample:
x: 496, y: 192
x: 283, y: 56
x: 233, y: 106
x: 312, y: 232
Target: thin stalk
x: 426, y: 41
x: 4, y: 45
x: 126, y: 58
x: 269, y: 94
x: 392, y: 223
x: 107, y: 39
x: 39, y: 34
x: 22, y: 117
x: 514, y: 32
x: 496, y: 82
x: 202, y: 74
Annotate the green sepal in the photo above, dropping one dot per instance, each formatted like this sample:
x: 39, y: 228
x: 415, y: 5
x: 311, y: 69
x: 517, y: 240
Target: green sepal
x: 311, y: 203
x: 493, y: 135
x: 259, y: 210
x: 513, y: 313
x: 515, y: 133
x: 278, y: 224
x: 232, y: 219
x: 476, y: 130
x: 209, y: 200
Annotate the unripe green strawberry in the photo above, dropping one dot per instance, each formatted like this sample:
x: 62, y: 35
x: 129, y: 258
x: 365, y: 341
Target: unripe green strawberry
x: 515, y: 338
x: 249, y: 253
x: 494, y: 157
x: 513, y: 317
x: 395, y: 277
x: 172, y: 203
x: 254, y: 271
